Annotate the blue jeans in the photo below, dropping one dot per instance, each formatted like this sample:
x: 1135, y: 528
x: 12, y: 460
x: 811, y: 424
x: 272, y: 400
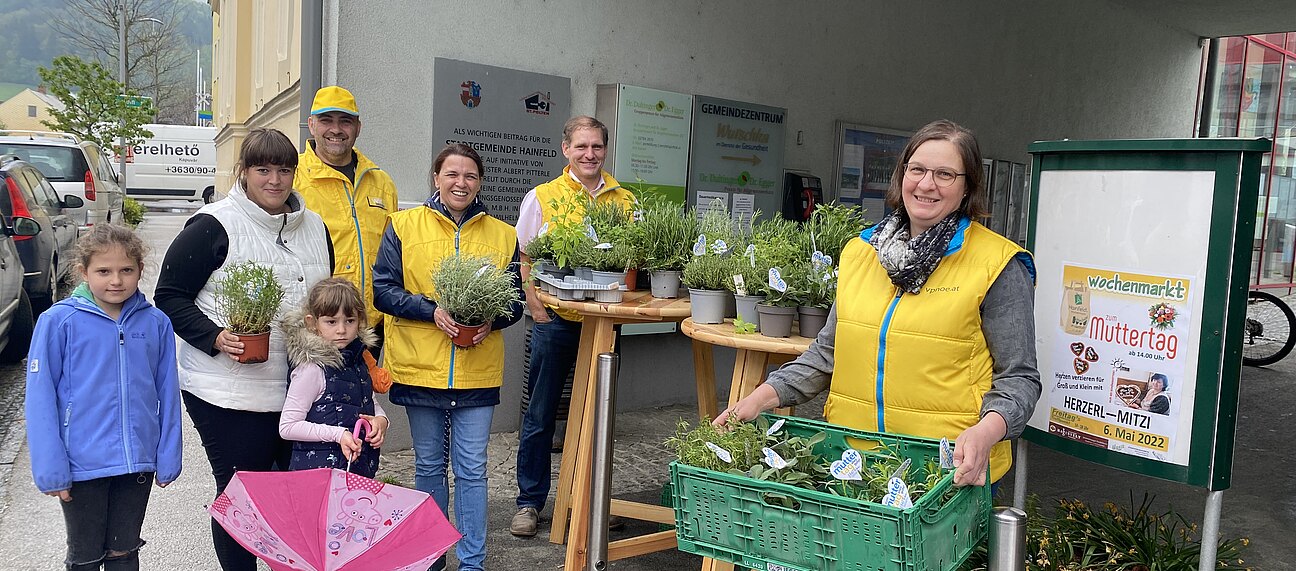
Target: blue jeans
x: 553, y: 354
x: 469, y: 433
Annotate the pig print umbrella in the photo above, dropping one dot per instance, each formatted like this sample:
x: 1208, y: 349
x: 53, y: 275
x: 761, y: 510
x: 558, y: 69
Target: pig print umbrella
x: 331, y: 520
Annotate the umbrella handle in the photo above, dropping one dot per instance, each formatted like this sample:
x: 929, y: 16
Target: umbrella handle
x: 362, y: 423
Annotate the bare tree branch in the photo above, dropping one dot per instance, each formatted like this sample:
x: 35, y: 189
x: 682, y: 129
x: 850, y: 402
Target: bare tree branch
x: 157, y: 57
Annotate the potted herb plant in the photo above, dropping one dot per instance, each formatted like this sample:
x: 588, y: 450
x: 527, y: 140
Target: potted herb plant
x: 540, y: 250
x: 474, y: 291
x: 775, y: 251
x: 815, y: 286
x: 667, y: 233
x: 248, y: 296
x: 705, y: 275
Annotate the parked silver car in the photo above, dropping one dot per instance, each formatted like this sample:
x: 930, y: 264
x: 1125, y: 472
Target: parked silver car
x: 74, y: 167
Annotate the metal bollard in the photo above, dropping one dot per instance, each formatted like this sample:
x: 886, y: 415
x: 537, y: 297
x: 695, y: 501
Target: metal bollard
x: 601, y: 478
x: 1007, y: 539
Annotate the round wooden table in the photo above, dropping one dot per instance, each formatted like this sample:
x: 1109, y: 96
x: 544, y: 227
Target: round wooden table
x: 576, y: 472
x: 756, y: 354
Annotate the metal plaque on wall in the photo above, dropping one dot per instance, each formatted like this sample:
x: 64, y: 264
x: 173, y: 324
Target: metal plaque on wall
x: 512, y: 118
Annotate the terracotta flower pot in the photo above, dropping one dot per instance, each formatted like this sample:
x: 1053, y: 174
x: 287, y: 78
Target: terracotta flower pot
x: 632, y: 279
x: 256, y: 348
x: 466, y: 334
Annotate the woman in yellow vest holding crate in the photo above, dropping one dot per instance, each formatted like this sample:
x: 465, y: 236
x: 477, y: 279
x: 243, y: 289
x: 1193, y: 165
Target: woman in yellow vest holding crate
x: 448, y: 392
x: 937, y: 314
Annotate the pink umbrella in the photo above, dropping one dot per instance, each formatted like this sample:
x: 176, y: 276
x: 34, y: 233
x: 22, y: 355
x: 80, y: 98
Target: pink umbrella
x: 328, y: 519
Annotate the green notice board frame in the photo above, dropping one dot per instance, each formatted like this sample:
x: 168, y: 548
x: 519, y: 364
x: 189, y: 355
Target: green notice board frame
x: 1083, y: 185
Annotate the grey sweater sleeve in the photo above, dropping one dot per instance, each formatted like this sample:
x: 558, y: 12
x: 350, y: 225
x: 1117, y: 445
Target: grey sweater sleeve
x: 802, y: 379
x: 1008, y: 323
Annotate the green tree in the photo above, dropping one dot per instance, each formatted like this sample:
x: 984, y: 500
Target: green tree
x: 93, y: 107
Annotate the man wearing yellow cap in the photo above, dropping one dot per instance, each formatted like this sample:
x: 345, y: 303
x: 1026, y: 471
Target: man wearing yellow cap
x: 347, y: 189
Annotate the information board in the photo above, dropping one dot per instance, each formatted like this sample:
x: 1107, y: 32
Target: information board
x: 865, y: 160
x: 649, y: 132
x: 1141, y: 262
x: 737, y: 153
x: 512, y: 118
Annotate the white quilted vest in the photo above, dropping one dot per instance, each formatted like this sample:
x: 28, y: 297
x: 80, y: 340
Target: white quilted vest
x: 294, y: 245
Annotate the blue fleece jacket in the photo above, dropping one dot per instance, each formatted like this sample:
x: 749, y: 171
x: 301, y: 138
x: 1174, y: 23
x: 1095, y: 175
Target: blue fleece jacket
x: 103, y: 398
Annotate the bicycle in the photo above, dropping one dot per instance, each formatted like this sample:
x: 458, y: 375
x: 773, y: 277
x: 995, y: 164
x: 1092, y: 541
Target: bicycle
x: 1267, y: 333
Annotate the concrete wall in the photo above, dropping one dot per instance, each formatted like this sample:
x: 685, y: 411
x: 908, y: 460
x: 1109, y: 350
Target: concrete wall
x: 1014, y: 72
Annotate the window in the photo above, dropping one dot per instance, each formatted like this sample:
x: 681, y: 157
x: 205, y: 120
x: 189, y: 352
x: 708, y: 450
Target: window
x: 45, y: 195
x: 31, y: 110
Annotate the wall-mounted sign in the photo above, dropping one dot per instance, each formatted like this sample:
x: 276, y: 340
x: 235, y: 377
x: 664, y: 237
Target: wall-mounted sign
x: 738, y: 151
x: 866, y: 158
x: 649, y: 131
x: 1141, y: 261
x: 512, y: 118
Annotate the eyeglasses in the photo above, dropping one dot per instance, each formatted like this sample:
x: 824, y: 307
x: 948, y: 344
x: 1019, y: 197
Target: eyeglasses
x: 942, y: 177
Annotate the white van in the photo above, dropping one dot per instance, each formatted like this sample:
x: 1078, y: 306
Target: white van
x: 178, y: 162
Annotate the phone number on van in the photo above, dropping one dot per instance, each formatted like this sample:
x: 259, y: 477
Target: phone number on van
x: 183, y: 169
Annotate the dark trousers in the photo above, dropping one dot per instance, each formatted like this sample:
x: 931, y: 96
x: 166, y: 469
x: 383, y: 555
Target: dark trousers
x: 105, y: 516
x: 236, y: 440
x: 553, y: 354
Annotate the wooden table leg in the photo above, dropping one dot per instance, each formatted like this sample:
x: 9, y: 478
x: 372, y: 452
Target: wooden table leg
x: 749, y: 371
x: 704, y: 374
x: 575, y: 411
x: 577, y: 541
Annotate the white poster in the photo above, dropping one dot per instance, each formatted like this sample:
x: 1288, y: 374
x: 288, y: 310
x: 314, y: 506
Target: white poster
x: 707, y: 200
x: 1118, y: 305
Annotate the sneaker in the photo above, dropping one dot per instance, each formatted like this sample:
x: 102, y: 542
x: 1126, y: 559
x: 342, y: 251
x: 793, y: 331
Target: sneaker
x: 525, y: 522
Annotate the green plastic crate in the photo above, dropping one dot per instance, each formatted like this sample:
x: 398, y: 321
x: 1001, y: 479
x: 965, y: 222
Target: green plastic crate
x: 723, y: 516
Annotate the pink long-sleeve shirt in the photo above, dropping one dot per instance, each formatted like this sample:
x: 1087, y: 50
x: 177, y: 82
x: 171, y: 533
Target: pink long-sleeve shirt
x: 306, y: 387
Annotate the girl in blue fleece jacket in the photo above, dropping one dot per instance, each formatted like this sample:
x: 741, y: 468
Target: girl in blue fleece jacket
x: 103, y: 403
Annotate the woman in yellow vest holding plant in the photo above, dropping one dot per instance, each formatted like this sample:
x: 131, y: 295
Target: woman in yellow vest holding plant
x: 448, y: 391
x: 937, y: 314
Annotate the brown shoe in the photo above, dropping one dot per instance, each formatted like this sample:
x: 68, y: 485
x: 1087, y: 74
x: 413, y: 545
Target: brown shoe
x: 525, y: 522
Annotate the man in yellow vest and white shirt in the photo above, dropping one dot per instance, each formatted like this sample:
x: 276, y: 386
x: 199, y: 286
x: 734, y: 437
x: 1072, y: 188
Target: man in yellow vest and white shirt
x: 556, y: 334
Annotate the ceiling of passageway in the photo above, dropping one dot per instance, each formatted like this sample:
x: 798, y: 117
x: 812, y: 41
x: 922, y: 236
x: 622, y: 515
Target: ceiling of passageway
x: 1217, y: 18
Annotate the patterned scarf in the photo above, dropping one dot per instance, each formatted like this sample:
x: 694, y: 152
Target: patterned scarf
x: 910, y: 261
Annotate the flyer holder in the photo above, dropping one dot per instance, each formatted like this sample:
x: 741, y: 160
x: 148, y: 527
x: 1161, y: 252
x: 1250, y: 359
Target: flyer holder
x: 1142, y: 250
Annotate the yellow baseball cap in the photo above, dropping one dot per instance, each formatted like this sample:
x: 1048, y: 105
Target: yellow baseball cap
x: 334, y: 98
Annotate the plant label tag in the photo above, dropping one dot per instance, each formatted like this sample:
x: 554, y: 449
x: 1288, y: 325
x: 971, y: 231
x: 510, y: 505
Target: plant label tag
x: 543, y: 229
x: 719, y: 248
x: 637, y: 216
x: 740, y: 287
x: 699, y: 247
x: 603, y: 246
x: 776, y: 280
x: 849, y: 467
x: 751, y: 254
x: 481, y: 271
x: 946, y: 454
x: 589, y: 231
x: 773, y: 460
x: 819, y: 260
x: 897, y: 487
x: 774, y: 427
x: 904, y: 467
x: 720, y: 453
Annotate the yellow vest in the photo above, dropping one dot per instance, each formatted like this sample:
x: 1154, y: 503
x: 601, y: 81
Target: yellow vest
x: 917, y: 364
x: 549, y: 193
x: 355, y: 216
x: 417, y: 352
